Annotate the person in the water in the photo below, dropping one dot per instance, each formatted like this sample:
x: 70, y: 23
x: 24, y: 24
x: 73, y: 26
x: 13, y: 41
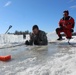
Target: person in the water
x: 38, y: 37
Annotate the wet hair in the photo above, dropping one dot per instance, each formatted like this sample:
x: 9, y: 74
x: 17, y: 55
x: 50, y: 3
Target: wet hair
x: 66, y: 11
x: 35, y: 27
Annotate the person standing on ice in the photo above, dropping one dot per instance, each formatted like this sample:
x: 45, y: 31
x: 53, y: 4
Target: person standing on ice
x: 66, y: 25
x: 38, y: 37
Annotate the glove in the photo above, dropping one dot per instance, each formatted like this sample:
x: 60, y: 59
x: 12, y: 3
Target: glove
x: 27, y: 42
x: 72, y: 30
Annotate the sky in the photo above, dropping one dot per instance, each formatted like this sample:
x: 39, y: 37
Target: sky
x: 23, y: 14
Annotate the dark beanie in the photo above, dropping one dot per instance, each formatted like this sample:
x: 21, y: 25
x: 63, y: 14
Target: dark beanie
x: 66, y: 11
x: 35, y: 27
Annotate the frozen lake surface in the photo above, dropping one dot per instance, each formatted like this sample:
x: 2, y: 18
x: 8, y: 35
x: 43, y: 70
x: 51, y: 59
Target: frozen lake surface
x: 54, y: 59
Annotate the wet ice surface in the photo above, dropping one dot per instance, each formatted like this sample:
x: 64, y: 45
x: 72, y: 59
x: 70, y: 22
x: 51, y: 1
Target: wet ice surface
x: 55, y: 59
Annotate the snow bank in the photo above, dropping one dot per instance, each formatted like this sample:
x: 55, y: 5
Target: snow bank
x: 52, y: 36
x: 10, y: 38
x: 6, y: 38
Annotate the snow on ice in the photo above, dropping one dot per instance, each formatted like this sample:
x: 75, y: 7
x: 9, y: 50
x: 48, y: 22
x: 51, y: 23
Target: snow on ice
x: 32, y: 62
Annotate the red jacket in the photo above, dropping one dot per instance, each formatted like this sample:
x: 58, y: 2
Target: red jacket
x: 67, y: 22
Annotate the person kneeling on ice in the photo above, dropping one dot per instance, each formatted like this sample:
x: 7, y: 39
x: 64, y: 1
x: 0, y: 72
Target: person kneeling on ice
x: 38, y: 37
x: 66, y: 25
